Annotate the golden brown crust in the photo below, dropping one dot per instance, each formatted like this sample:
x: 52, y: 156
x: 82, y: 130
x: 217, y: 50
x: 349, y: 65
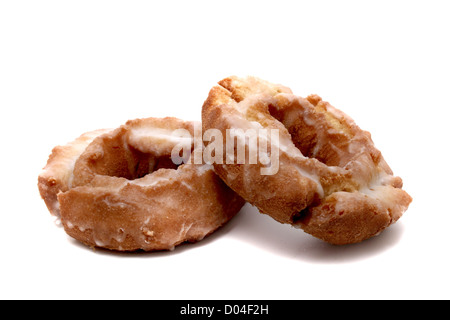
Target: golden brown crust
x: 127, y: 195
x: 187, y: 207
x: 332, y: 181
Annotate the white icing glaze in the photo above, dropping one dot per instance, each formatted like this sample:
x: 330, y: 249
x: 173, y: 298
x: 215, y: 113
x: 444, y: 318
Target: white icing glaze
x: 187, y: 185
x: 285, y: 145
x: 202, y: 169
x: 159, y: 134
x: 372, y: 189
x: 99, y: 243
x: 57, y: 221
x: 149, y: 181
x: 120, y: 236
x: 109, y: 203
x: 338, y: 114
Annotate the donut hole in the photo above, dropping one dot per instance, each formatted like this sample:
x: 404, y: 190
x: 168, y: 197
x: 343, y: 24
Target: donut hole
x: 144, y: 164
x: 315, y: 132
x: 115, y: 158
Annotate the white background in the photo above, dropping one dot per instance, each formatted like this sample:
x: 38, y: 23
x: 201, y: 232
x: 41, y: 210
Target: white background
x: 67, y: 67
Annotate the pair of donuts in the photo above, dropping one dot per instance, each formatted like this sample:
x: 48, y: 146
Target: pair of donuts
x: 123, y: 190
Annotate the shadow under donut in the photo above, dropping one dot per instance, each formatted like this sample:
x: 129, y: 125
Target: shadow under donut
x: 281, y: 239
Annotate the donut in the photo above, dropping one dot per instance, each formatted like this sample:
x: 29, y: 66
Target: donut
x: 330, y: 180
x: 120, y: 189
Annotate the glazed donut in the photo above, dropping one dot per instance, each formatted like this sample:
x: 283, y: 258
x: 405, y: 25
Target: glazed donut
x: 120, y: 190
x: 332, y: 182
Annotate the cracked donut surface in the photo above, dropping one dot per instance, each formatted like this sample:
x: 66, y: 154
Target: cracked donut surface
x: 120, y: 190
x: 332, y: 182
